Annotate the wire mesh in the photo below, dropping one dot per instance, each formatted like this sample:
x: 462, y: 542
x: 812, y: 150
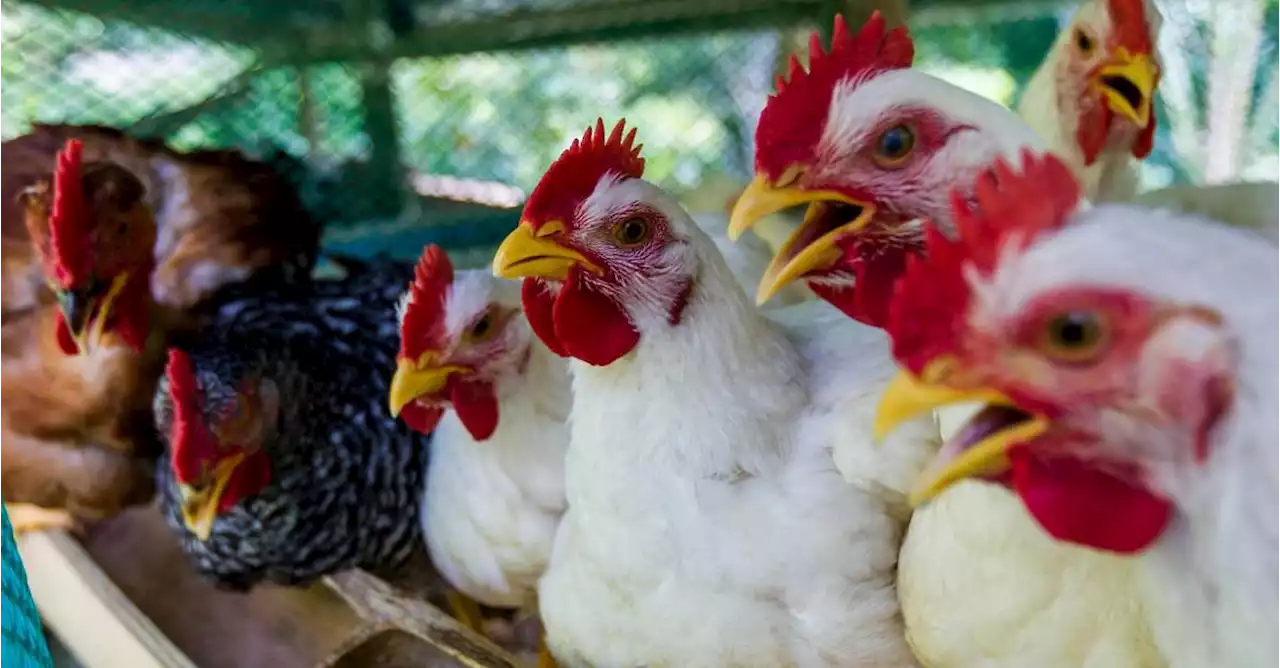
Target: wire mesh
x: 473, y: 132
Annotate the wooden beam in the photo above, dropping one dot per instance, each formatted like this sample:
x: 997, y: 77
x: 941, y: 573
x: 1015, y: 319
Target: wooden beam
x: 87, y: 611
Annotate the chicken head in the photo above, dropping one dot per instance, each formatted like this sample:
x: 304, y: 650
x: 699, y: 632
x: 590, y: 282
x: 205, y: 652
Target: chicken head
x: 459, y: 335
x: 1107, y: 69
x: 1099, y: 395
x: 871, y: 147
x: 603, y: 254
x: 216, y: 432
x: 95, y: 235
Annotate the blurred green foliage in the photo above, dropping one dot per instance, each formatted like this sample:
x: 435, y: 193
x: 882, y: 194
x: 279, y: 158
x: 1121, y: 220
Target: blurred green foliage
x: 490, y: 116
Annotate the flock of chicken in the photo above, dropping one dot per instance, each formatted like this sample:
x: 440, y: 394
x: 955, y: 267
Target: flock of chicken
x: 625, y: 447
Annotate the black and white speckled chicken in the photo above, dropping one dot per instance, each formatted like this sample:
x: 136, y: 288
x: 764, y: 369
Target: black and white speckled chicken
x: 282, y: 463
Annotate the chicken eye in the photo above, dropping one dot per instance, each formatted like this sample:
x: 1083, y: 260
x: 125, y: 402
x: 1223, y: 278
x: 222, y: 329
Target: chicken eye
x: 482, y: 328
x: 631, y: 232
x: 1084, y: 42
x: 895, y: 145
x: 1074, y: 336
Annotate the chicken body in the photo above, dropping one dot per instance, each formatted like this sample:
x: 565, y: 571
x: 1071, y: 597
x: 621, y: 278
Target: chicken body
x: 1136, y: 411
x: 1069, y: 102
x: 1209, y: 578
x: 77, y: 429
x: 708, y: 524
x: 1032, y: 601
x: 491, y: 507
x: 346, y: 479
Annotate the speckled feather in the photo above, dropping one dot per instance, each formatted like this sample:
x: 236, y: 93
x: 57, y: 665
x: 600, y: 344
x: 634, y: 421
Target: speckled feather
x: 346, y: 477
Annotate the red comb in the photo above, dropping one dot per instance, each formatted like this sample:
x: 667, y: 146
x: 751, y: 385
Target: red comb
x: 1010, y: 210
x: 1129, y: 25
x: 574, y: 175
x: 425, y: 311
x: 190, y: 439
x: 794, y: 117
x: 68, y: 223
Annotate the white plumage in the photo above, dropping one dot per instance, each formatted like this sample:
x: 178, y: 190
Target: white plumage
x: 1210, y: 579
x: 491, y: 508
x: 708, y: 524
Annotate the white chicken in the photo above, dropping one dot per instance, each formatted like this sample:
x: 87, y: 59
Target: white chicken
x: 707, y: 523
x: 1093, y: 97
x: 496, y: 401
x: 872, y: 147
x: 1127, y: 361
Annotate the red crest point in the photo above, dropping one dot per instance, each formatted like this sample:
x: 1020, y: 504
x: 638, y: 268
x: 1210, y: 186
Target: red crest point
x: 794, y: 117
x: 574, y: 175
x: 1009, y: 210
x: 69, y: 221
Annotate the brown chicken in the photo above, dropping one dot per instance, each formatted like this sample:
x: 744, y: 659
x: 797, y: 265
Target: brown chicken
x: 79, y: 370
x: 220, y: 216
x: 82, y: 350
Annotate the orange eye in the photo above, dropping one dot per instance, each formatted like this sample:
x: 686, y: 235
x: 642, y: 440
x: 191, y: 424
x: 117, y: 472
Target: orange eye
x: 1074, y: 337
x: 895, y: 146
x: 631, y: 232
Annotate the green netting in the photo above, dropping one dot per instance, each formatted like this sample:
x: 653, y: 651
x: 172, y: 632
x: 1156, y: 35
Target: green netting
x: 396, y: 140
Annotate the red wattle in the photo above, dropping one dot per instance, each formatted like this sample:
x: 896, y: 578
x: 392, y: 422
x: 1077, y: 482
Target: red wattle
x: 1080, y: 504
x: 132, y: 320
x: 422, y: 419
x: 1146, y: 139
x: 590, y: 325
x: 477, y: 406
x: 250, y: 477
x: 1091, y: 133
x: 539, y: 305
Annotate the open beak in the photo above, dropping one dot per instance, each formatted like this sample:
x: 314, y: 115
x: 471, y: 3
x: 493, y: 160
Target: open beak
x: 1127, y: 83
x: 200, y: 506
x: 978, y: 450
x: 812, y: 247
x: 88, y: 310
x: 530, y: 253
x: 416, y: 379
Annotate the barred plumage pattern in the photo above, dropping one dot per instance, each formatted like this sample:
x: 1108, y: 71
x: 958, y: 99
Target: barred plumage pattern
x: 346, y: 477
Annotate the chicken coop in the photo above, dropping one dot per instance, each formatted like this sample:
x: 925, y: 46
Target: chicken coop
x: 408, y: 122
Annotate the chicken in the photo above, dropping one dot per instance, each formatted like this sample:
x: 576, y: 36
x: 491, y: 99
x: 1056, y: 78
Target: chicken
x: 495, y: 490
x: 895, y: 142
x: 707, y: 523
x: 221, y: 217
x: 282, y: 464
x: 78, y: 370
x: 869, y: 169
x: 1126, y: 359
x: 1093, y: 98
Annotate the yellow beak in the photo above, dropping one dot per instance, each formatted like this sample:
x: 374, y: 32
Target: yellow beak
x: 762, y: 198
x: 908, y: 396
x: 88, y: 325
x: 527, y: 253
x: 802, y: 253
x: 1128, y: 84
x: 413, y: 380
x: 200, y: 507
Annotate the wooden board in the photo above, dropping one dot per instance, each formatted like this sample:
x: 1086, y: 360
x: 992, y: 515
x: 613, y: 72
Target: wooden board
x: 124, y: 595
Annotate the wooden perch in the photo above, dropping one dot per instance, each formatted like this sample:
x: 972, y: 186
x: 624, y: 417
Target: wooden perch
x: 87, y: 611
x: 386, y: 612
